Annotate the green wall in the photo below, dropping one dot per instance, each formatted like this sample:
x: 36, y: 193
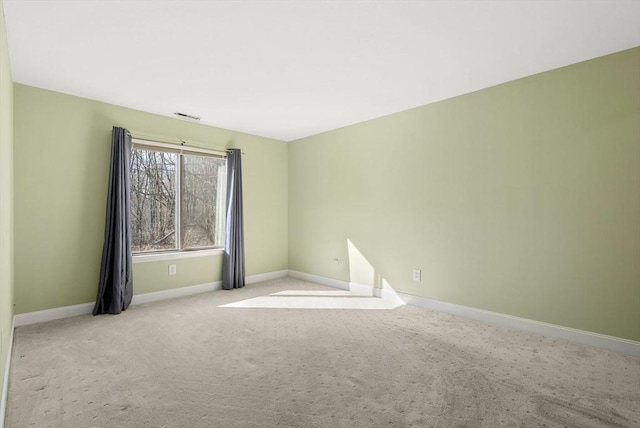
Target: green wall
x: 6, y: 198
x: 522, y: 199
x: 62, y: 149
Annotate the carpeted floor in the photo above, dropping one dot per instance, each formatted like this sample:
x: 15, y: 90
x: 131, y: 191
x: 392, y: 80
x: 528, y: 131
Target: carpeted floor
x: 191, y: 362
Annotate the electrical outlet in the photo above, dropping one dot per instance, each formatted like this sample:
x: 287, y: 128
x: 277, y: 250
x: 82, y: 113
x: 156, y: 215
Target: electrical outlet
x: 417, y: 275
x: 172, y: 269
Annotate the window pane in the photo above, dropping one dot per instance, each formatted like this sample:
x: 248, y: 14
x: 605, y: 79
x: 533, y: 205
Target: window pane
x: 203, y: 201
x: 153, y: 200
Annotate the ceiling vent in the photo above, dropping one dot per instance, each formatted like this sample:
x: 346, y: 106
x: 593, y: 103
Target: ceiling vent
x: 187, y: 117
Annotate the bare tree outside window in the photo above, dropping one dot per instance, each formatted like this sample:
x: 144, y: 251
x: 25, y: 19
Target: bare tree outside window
x: 166, y: 186
x: 199, y: 200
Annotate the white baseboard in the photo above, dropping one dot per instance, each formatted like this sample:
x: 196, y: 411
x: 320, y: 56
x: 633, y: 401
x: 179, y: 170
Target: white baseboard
x: 52, y: 314
x: 322, y: 280
x: 87, y: 308
x: 582, y: 337
x: 252, y: 279
x: 5, y: 380
x: 385, y: 293
x: 175, y: 292
x: 365, y: 290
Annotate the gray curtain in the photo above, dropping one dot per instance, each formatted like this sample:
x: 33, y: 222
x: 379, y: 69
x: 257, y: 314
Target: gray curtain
x: 115, y: 288
x: 233, y: 259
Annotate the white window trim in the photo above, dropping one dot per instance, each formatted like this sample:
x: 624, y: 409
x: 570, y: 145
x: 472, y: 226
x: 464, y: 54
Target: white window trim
x: 178, y: 253
x: 177, y: 147
x: 175, y: 255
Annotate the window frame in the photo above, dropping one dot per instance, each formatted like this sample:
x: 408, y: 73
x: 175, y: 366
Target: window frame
x: 179, y: 252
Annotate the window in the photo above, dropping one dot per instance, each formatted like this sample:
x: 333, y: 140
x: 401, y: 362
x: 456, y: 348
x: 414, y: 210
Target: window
x: 177, y: 198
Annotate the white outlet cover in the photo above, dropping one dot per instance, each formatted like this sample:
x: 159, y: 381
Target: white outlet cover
x: 172, y: 269
x: 417, y: 274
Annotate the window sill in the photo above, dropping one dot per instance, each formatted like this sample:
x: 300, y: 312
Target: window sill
x: 158, y: 257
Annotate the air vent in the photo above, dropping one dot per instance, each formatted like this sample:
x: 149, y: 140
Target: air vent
x: 187, y: 117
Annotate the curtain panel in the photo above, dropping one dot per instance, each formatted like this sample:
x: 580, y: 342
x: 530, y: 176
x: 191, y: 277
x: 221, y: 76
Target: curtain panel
x: 233, y: 258
x: 115, y: 289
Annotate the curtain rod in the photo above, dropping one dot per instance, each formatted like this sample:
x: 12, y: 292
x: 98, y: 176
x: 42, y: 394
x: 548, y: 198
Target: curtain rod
x: 176, y: 141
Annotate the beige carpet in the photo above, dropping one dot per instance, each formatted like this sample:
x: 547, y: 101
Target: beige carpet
x: 191, y: 363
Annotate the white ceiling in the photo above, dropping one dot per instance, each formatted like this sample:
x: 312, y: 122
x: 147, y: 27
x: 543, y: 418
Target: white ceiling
x: 287, y: 69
